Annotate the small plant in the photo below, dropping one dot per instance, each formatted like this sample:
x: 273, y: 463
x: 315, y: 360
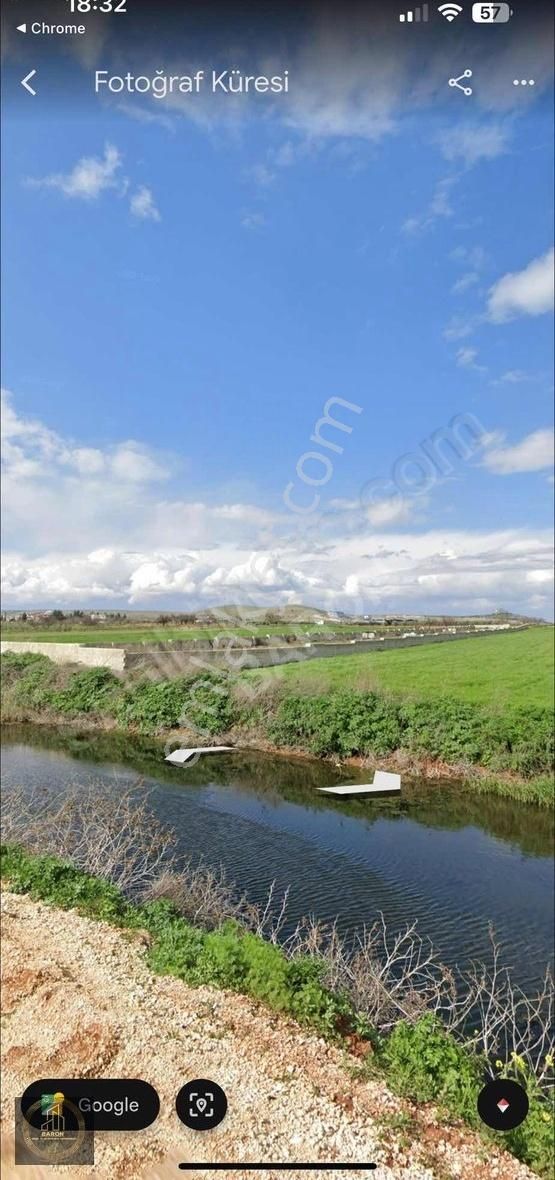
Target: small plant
x: 423, y: 1062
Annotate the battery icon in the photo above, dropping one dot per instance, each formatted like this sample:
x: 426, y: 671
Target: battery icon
x: 491, y: 14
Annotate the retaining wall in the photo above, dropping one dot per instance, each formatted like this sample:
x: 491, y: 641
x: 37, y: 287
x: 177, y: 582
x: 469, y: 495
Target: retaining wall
x: 71, y: 653
x: 165, y: 662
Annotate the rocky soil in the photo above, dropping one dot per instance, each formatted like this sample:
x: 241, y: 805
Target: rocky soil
x: 79, y: 1000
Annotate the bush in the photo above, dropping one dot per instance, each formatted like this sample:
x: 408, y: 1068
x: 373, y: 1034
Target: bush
x: 94, y: 690
x: 347, y: 722
x: 344, y: 723
x: 201, y: 703
x: 28, y: 677
x: 14, y: 664
x: 425, y: 1064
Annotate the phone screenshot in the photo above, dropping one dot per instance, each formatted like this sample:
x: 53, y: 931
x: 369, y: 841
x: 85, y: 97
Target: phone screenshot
x: 277, y: 607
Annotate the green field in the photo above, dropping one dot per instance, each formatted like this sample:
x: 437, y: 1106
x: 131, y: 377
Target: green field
x: 496, y: 670
x: 133, y: 633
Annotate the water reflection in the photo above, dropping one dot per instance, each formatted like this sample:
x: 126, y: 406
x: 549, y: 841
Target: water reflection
x: 452, y: 860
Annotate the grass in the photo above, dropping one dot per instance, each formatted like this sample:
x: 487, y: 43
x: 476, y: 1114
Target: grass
x: 157, y: 633
x: 508, y: 671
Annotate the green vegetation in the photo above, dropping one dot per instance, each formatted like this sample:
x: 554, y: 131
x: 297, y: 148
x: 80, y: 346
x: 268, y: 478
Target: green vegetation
x: 160, y: 633
x: 516, y: 743
x: 508, y: 671
x: 419, y: 1060
x: 349, y: 722
x: 229, y: 956
x: 424, y: 1063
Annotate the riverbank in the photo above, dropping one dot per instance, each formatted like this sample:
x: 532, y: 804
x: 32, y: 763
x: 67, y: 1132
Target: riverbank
x: 508, y: 752
x: 290, y: 1095
x: 402, y: 1101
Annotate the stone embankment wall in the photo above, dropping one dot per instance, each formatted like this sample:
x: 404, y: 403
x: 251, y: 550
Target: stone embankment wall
x: 71, y: 653
x: 163, y: 661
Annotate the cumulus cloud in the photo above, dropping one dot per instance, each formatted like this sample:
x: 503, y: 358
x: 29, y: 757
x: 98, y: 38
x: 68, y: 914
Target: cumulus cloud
x: 31, y: 449
x: 524, y: 292
x: 106, y: 525
x: 447, y: 571
x: 532, y: 453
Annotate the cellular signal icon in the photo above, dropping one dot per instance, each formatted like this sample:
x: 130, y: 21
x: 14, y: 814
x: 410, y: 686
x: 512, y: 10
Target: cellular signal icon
x: 450, y: 11
x: 414, y: 15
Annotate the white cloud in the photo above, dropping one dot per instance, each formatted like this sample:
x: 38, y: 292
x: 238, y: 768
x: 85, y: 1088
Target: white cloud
x: 466, y: 359
x: 472, y: 142
x: 93, y: 176
x: 459, y: 327
x: 514, y: 377
x: 29, y: 448
x: 465, y: 282
x: 143, y: 205
x: 130, y: 461
x: 440, y: 206
x: 144, y: 115
x: 89, y: 524
x: 449, y: 571
x: 532, y: 453
x: 396, y: 510
x: 524, y: 292
x: 89, y: 178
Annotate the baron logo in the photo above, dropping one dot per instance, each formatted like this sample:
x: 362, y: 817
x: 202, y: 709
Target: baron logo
x: 52, y: 1131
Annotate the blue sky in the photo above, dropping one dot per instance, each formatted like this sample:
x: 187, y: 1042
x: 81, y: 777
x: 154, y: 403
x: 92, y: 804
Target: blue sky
x: 183, y: 293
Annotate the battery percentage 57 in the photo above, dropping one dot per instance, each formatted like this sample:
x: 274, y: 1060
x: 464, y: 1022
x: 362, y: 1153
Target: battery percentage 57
x: 491, y: 14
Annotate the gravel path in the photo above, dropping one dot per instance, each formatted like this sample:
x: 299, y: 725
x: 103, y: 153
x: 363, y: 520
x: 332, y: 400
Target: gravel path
x: 291, y: 1096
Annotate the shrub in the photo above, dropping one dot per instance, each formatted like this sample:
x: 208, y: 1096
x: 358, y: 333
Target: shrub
x: 201, y: 703
x: 344, y: 723
x: 94, y: 690
x: 425, y: 1064
x: 28, y: 677
x: 13, y: 664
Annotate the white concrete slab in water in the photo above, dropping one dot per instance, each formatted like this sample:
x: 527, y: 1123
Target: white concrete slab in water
x: 383, y: 781
x: 179, y: 757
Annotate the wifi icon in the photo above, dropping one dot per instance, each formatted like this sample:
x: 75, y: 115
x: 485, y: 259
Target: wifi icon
x: 450, y: 11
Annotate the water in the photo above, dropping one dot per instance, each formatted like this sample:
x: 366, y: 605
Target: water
x: 437, y: 854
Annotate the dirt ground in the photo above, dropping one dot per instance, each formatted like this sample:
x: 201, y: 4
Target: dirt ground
x: 78, y: 1000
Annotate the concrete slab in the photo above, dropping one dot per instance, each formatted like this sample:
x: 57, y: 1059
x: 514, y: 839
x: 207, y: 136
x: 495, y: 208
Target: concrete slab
x: 383, y: 782
x: 179, y: 757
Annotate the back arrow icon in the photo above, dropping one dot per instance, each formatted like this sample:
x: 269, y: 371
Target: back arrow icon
x: 25, y: 82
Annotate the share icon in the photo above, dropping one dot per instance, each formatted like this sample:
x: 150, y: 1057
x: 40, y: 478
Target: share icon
x: 457, y: 82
